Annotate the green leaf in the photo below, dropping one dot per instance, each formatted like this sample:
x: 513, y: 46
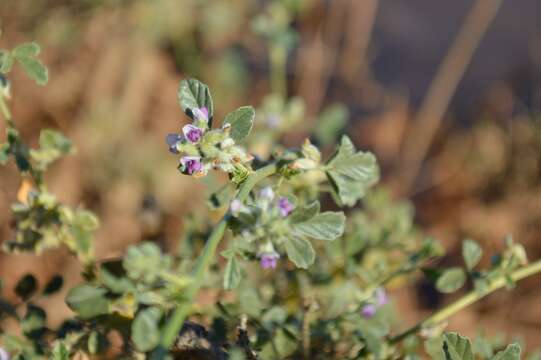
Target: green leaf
x: 457, y: 347
x: 241, y: 121
x: 330, y: 123
x: 511, y: 352
x: 60, y: 351
x: 304, y: 213
x: 26, y: 286
x: 88, y: 301
x: 145, y: 262
x: 4, y: 153
x: 451, y: 280
x: 323, y: 226
x: 194, y: 94
x: 26, y: 50
x: 6, y: 62
x: 351, y: 173
x: 145, y: 332
x: 232, y: 273
x: 472, y: 253
x: 300, y: 252
x: 35, y: 70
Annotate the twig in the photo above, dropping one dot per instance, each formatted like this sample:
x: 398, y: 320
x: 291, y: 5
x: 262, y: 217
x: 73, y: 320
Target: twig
x: 441, y: 90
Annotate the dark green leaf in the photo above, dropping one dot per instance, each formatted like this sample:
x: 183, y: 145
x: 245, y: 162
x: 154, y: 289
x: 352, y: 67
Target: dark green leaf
x: 511, y: 352
x: 323, y: 226
x: 472, y: 253
x: 457, y: 347
x: 88, y: 301
x: 232, y: 275
x: 194, y: 94
x: 300, y: 252
x: 241, y: 121
x: 145, y: 332
x: 451, y: 280
x: 26, y: 286
x: 351, y: 173
x: 53, y: 285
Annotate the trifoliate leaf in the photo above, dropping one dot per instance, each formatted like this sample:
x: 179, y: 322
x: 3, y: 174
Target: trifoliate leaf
x: 323, y: 226
x: 145, y: 332
x: 451, y: 280
x: 351, y: 173
x: 241, y: 121
x: 457, y: 347
x: 472, y: 253
x: 88, y: 301
x: 511, y: 352
x: 193, y: 94
x: 300, y: 252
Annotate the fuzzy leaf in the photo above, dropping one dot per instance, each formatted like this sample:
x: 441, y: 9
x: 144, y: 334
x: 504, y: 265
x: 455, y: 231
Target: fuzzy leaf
x: 511, y: 352
x: 88, y: 301
x: 323, y: 226
x: 194, y: 94
x: 6, y: 62
x: 145, y: 332
x: 351, y: 173
x: 300, y: 252
x: 232, y: 273
x: 304, y: 213
x: 34, y: 69
x: 472, y: 253
x: 241, y: 121
x: 451, y: 280
x: 26, y: 50
x: 457, y: 347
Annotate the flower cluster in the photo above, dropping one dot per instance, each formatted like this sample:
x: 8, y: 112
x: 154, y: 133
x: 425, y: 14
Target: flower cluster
x: 264, y: 224
x: 378, y: 299
x: 203, y: 148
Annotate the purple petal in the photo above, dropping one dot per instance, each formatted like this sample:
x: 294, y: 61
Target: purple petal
x: 172, y: 140
x: 285, y: 206
x: 368, y: 310
x: 381, y: 297
x: 191, y: 164
x: 269, y: 260
x: 192, y: 133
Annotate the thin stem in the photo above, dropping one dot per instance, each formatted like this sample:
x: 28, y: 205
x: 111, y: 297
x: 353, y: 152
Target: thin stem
x: 469, y: 299
x: 6, y: 113
x: 174, y: 325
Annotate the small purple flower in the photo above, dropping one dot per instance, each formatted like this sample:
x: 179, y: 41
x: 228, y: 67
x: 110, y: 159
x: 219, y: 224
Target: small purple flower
x: 4, y: 355
x: 369, y: 310
x: 191, y: 164
x: 192, y: 133
x: 285, y: 206
x: 172, y: 140
x: 381, y: 297
x: 268, y: 260
x: 201, y: 114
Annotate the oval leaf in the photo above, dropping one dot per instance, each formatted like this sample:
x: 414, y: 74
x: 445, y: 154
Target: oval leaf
x: 88, y: 301
x: 300, y: 252
x: 323, y: 226
x: 451, y: 280
x: 241, y: 121
x: 145, y: 332
x: 472, y: 253
x: 457, y: 347
x: 194, y: 94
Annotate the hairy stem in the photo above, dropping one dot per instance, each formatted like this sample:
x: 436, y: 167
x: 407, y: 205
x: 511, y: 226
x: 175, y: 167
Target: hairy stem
x: 468, y: 299
x: 174, y: 324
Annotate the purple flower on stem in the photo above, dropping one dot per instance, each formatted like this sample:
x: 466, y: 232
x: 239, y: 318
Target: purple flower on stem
x: 172, y: 140
x: 192, y: 133
x: 285, y: 206
x: 191, y: 164
x: 268, y: 260
x: 201, y: 114
x: 381, y: 297
x: 369, y: 310
x: 4, y: 355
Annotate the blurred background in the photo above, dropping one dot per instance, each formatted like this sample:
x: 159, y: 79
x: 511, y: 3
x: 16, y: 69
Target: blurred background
x: 446, y: 93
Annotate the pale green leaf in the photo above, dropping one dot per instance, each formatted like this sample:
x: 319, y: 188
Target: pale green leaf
x: 241, y: 121
x: 26, y: 50
x: 451, y: 280
x: 511, y: 352
x: 60, y: 351
x: 35, y: 70
x: 145, y: 331
x: 232, y: 275
x: 457, y: 347
x: 88, y: 301
x: 323, y: 226
x: 300, y: 252
x: 304, y: 213
x: 472, y: 253
x: 194, y: 94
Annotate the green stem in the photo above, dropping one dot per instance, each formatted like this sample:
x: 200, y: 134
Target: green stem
x: 5, y: 111
x: 174, y: 325
x: 468, y: 299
